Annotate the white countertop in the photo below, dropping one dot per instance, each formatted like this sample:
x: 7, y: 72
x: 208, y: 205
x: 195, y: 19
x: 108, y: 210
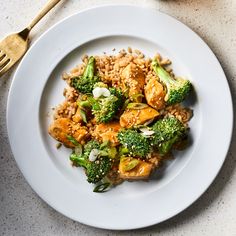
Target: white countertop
x: 22, y: 212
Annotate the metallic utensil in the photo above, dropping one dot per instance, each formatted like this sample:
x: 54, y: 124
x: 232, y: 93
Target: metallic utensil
x: 14, y: 46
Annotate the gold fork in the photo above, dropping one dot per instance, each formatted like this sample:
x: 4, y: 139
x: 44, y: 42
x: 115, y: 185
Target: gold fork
x: 14, y: 46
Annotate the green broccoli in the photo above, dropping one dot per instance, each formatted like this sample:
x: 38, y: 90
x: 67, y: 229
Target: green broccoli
x: 95, y: 170
x: 86, y: 82
x: 134, y: 143
x: 105, y: 108
x: 168, y: 131
x: 177, y: 89
x: 89, y: 146
x: 100, y: 85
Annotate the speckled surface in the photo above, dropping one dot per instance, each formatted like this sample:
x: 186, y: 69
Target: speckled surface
x: 22, y: 212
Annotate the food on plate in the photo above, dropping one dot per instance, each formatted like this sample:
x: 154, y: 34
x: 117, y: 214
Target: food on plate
x: 122, y: 117
x: 137, y: 114
x: 176, y: 88
x: 155, y: 93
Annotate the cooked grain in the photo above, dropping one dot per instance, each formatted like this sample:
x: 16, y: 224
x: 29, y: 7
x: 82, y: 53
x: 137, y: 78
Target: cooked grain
x: 110, y: 69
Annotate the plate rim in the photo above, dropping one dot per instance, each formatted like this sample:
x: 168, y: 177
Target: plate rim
x: 146, y: 9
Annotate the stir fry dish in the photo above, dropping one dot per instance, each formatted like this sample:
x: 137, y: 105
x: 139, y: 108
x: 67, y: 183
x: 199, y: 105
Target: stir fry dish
x: 122, y: 116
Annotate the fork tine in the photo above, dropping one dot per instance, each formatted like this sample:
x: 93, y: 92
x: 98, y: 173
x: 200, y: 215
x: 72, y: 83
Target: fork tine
x: 4, y: 61
x: 4, y: 68
x: 2, y: 55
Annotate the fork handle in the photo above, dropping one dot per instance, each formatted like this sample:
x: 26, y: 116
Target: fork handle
x: 50, y: 4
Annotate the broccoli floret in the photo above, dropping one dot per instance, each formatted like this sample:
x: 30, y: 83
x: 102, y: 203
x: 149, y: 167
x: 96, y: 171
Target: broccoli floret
x: 177, y: 89
x: 86, y: 82
x: 105, y: 108
x: 135, y: 143
x: 118, y: 93
x: 100, y: 85
x: 95, y: 170
x: 89, y: 146
x: 168, y: 131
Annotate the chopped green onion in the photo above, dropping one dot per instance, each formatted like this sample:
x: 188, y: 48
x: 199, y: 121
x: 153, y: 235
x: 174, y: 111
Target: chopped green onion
x: 72, y: 140
x: 112, y: 152
x: 123, y: 151
x: 83, y: 115
x: 103, y: 153
x: 94, y: 103
x: 125, y: 104
x: 131, y: 163
x: 84, y: 104
x: 102, y: 188
x: 147, y: 131
x: 137, y: 106
x: 58, y: 145
x: 135, y: 97
x: 101, y: 92
x: 78, y: 149
x: 126, y: 92
x: 94, y: 154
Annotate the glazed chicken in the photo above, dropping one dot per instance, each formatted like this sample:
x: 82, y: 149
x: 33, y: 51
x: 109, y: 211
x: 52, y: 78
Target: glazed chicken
x: 108, y: 132
x: 133, y: 79
x: 121, y: 117
x: 132, y: 168
x: 155, y: 94
x: 132, y: 117
x: 61, y: 128
x: 77, y: 116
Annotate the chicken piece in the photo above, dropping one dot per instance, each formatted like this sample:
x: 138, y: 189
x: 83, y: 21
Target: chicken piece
x: 133, y: 79
x: 108, y: 132
x: 132, y: 117
x: 155, y: 94
x: 134, y: 169
x: 62, y: 127
x: 77, y: 116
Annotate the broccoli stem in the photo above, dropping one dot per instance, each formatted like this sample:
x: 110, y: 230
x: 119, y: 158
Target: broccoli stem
x: 163, y: 75
x: 79, y: 160
x: 89, y: 70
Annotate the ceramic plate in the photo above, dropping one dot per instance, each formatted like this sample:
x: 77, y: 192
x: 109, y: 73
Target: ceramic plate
x: 37, y: 87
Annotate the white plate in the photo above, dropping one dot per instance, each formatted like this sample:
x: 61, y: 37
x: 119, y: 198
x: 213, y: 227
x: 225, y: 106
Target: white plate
x: 37, y: 86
